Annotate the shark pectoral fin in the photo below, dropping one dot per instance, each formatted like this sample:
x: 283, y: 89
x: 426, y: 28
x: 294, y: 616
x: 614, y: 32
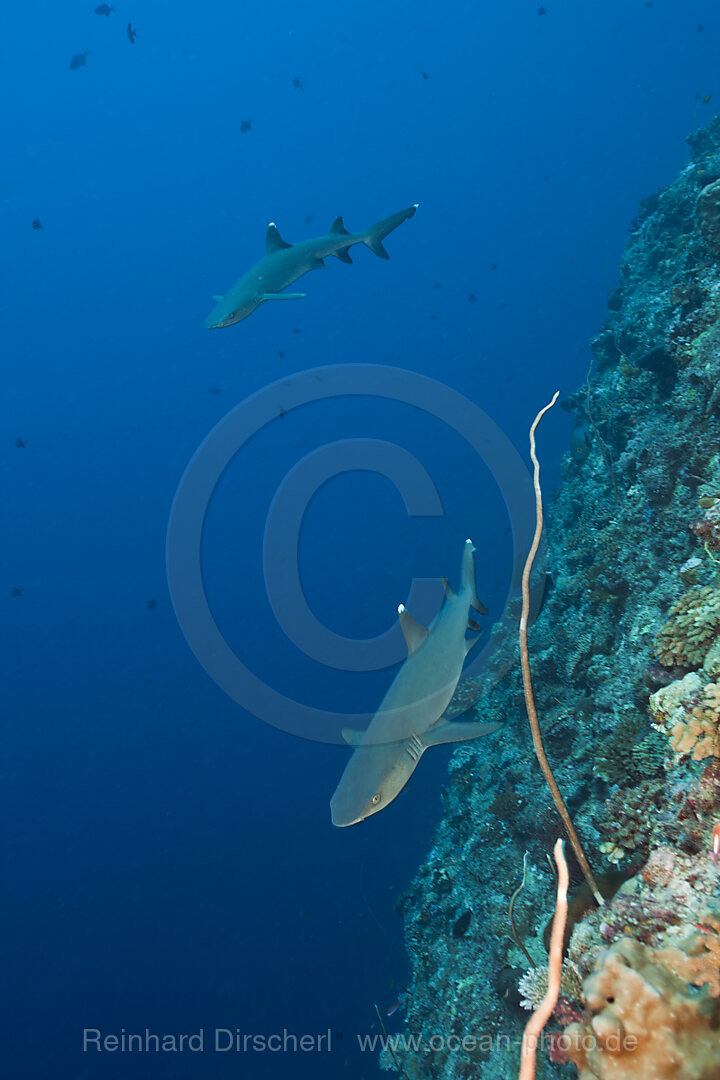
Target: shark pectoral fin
x: 447, y: 731
x: 413, y: 631
x: 283, y: 295
x: 217, y: 299
x: 449, y: 591
x: 352, y: 736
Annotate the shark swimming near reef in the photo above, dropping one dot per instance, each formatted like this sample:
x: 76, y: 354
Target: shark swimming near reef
x: 284, y: 263
x: 410, y: 717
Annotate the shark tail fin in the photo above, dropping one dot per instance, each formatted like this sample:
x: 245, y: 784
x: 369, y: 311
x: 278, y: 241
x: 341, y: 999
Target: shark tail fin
x: 377, y: 232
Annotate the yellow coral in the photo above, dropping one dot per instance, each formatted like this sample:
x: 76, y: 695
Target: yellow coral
x: 692, y: 628
x: 646, y: 1022
x: 690, y: 713
x: 694, y: 737
x: 702, y: 966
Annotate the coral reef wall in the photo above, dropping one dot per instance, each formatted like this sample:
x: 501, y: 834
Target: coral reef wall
x: 625, y: 657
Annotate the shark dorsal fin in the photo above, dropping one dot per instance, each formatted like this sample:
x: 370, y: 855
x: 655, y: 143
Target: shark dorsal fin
x: 273, y: 240
x: 352, y: 736
x: 413, y: 631
x: 338, y: 226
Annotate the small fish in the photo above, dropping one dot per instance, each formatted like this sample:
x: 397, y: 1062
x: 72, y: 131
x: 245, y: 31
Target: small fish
x: 308, y: 219
x: 297, y: 83
x: 103, y: 9
x: 424, y: 74
x: 213, y: 389
x: 37, y: 224
x: 78, y: 61
x: 20, y: 443
x: 542, y: 11
x: 472, y: 298
x: 245, y: 125
x: 580, y: 441
x: 706, y: 99
x: 394, y: 1007
x: 17, y: 592
x: 131, y: 34
x: 152, y: 604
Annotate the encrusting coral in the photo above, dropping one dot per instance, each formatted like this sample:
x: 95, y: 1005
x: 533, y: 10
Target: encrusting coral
x: 644, y: 1021
x: 690, y: 713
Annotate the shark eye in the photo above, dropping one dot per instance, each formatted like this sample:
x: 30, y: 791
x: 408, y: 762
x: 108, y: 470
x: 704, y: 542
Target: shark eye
x: 375, y: 799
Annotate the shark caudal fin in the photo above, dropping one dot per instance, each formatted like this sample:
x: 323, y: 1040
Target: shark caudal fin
x: 377, y: 232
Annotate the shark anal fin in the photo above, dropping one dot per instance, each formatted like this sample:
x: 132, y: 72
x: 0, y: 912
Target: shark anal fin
x: 352, y: 736
x: 273, y: 240
x: 343, y: 255
x: 449, y: 731
x: 413, y: 631
x: 283, y: 295
x: 338, y: 226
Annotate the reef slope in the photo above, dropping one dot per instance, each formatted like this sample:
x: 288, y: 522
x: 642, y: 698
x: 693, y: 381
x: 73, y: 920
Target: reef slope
x: 625, y: 658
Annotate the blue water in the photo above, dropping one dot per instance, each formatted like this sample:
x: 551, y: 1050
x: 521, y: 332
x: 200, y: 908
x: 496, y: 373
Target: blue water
x: 168, y: 860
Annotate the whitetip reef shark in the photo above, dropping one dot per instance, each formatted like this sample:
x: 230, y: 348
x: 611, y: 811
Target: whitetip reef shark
x: 410, y: 717
x: 284, y: 263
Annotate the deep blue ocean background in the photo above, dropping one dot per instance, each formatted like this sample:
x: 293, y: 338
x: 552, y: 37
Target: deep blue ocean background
x: 168, y: 860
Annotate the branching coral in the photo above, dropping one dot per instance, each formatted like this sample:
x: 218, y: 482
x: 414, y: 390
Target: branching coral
x: 627, y: 813
x: 692, y: 628
x: 534, y: 983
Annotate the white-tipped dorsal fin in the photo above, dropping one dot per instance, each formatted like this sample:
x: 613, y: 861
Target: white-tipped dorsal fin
x: 414, y: 632
x: 352, y: 736
x: 273, y: 240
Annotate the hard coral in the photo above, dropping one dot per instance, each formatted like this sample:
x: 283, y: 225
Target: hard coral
x: 692, y: 628
x: 645, y: 1022
x: 707, y: 529
x: 702, y: 966
x: 627, y: 813
x: 707, y: 214
x: 690, y: 713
